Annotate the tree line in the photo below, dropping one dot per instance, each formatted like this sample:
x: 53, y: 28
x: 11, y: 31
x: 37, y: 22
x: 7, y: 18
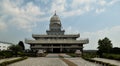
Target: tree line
x: 105, y: 46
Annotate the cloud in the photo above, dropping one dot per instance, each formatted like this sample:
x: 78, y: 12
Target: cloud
x: 113, y: 2
x: 23, y: 17
x: 102, y: 2
x: 112, y: 33
x: 3, y: 26
x: 100, y: 10
x: 70, y: 30
x: 58, y: 5
x: 80, y: 7
x: 26, y: 14
x: 79, y: 3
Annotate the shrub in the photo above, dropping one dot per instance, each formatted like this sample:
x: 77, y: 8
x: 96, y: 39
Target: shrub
x: 89, y: 55
x: 6, y: 54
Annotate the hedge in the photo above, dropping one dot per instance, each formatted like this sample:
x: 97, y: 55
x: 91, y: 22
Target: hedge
x: 112, y: 56
x: 5, y: 63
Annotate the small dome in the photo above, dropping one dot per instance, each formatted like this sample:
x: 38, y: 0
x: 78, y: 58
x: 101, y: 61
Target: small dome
x: 55, y: 19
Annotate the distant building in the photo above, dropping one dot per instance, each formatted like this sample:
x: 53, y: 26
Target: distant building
x: 4, y: 45
x: 55, y: 40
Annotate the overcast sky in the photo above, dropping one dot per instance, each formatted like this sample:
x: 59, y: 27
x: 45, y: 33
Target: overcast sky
x: 93, y: 19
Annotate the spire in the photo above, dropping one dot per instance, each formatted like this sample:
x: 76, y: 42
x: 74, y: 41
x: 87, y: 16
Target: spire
x: 55, y: 13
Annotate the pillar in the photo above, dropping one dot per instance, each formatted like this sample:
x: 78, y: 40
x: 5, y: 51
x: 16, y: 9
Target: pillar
x: 61, y: 48
x: 52, y: 48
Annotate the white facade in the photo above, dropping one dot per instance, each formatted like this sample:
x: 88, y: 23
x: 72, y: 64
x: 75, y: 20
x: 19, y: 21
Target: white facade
x: 4, y: 45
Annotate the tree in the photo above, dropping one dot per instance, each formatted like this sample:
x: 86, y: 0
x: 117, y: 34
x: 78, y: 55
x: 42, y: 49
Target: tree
x: 104, y: 46
x: 15, y: 49
x: 22, y: 45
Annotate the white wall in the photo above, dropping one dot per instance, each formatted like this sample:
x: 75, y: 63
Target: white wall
x: 4, y: 46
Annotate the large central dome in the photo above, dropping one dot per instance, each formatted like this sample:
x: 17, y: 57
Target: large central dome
x: 55, y: 26
x: 55, y: 19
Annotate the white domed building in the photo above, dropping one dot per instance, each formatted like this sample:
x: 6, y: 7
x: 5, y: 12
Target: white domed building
x: 55, y: 41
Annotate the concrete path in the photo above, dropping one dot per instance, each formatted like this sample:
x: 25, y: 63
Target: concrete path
x: 81, y: 62
x: 52, y: 60
x: 8, y: 59
x: 57, y: 55
x: 52, y: 56
x: 40, y: 61
x: 115, y: 62
x: 65, y: 55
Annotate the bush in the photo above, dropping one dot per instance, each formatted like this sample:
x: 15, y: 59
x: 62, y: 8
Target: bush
x: 6, y: 54
x: 89, y: 55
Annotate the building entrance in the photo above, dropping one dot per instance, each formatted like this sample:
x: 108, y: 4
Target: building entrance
x: 56, y: 50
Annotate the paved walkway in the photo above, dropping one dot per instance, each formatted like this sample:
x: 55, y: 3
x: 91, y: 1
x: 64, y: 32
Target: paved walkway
x: 7, y: 59
x: 57, y: 55
x: 40, y: 61
x: 65, y: 55
x: 81, y: 62
x: 115, y: 62
x: 52, y: 60
x: 52, y: 56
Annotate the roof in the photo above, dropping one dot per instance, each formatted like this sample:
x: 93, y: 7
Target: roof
x: 69, y: 35
x: 55, y: 41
